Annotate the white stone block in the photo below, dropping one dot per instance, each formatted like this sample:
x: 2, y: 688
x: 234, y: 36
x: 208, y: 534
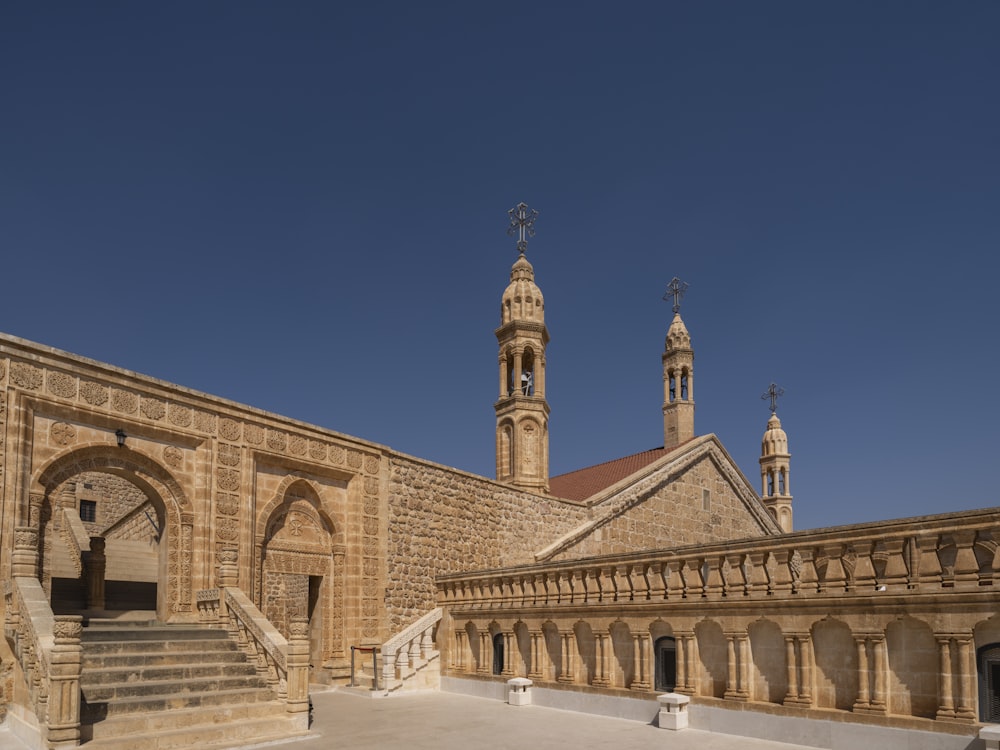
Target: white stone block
x: 519, y: 691
x: 990, y: 734
x: 673, y: 710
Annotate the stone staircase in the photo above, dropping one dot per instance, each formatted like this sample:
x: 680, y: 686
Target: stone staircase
x: 407, y: 662
x: 155, y: 686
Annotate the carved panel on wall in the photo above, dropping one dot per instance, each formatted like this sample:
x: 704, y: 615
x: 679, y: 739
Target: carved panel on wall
x: 179, y: 415
x: 24, y: 375
x: 337, y: 454
x: 124, y: 401
x: 62, y: 384
x: 297, y: 445
x: 276, y: 441
x: 254, y: 434
x: 93, y: 393
x: 153, y: 408
x: 229, y: 455
x: 228, y: 505
x: 229, y: 480
x: 229, y: 429
x: 204, y: 421
x: 317, y: 450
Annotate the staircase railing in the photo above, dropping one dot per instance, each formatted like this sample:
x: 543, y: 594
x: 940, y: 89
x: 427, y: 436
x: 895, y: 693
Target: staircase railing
x: 283, y: 663
x: 48, y: 651
x: 410, y: 649
x: 75, y: 535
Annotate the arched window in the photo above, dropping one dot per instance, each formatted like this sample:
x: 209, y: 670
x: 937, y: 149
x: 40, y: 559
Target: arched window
x: 498, y: 653
x: 684, y: 386
x: 666, y: 663
x: 781, y: 482
x: 989, y: 683
x: 527, y: 384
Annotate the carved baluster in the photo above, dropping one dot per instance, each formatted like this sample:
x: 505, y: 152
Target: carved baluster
x: 657, y: 584
x: 64, y: 682
x: 759, y: 579
x: 694, y: 584
x: 834, y: 575
x: 675, y: 583
x: 929, y: 572
x: 781, y: 583
x: 736, y: 582
x: 714, y: 584
x: 966, y: 565
x: 864, y: 569
x: 638, y: 582
x: 896, y: 573
x: 808, y: 580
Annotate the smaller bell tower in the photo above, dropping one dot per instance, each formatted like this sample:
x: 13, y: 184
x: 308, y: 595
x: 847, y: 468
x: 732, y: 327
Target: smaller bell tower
x: 774, y: 465
x: 522, y: 412
x: 678, y: 374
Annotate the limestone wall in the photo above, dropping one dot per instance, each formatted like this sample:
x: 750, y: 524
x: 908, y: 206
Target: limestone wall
x: 444, y: 521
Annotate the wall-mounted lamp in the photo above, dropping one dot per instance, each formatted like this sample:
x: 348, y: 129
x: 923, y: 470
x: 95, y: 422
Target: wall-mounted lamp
x: 120, y: 437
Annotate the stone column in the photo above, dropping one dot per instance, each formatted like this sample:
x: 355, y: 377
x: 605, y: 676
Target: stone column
x: 568, y: 644
x: 880, y: 666
x: 946, y: 701
x: 730, y: 667
x: 640, y: 662
x: 508, y: 656
x: 536, y: 671
x: 965, y: 678
x: 601, y: 656
x: 65, y: 665
x: 806, y: 682
x: 743, y: 657
x: 458, y: 656
x: 485, y: 665
x: 691, y: 670
x: 863, y: 701
x: 791, y: 665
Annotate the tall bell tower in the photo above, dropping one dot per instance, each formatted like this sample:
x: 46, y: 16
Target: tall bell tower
x: 522, y: 411
x: 678, y: 374
x: 776, y: 491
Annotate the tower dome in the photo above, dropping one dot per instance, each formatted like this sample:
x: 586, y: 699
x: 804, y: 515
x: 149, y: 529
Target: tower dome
x: 677, y: 335
x: 775, y: 441
x: 522, y: 299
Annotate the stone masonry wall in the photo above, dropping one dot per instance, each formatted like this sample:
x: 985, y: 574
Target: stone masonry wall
x: 115, y: 497
x: 674, y: 514
x: 443, y: 521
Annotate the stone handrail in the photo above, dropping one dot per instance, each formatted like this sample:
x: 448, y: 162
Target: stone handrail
x: 958, y: 551
x: 75, y: 535
x: 48, y: 650
x: 283, y: 663
x: 411, y: 647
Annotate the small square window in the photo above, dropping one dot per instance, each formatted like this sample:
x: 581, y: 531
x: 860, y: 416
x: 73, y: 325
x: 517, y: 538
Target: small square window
x: 88, y: 510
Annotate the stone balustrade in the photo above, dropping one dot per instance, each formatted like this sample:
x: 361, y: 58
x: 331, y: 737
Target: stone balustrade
x: 409, y: 650
x: 940, y: 553
x: 283, y: 663
x: 881, y: 619
x: 48, y: 650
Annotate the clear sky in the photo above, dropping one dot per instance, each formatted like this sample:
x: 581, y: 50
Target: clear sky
x: 302, y: 206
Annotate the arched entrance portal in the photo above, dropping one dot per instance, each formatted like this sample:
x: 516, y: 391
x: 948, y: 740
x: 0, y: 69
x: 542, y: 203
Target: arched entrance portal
x: 298, y: 576
x: 92, y: 507
x: 142, y: 513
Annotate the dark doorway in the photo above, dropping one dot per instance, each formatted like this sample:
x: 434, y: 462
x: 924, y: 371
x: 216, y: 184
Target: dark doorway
x: 989, y: 683
x: 498, y: 653
x: 315, y: 622
x: 666, y: 663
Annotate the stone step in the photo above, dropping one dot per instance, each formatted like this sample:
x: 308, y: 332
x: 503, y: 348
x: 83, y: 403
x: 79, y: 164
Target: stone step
x: 118, y: 691
x: 227, y: 732
x: 140, y: 673
x: 98, y: 710
x: 162, y: 659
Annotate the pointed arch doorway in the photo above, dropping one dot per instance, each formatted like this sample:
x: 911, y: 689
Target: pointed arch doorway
x: 301, y: 566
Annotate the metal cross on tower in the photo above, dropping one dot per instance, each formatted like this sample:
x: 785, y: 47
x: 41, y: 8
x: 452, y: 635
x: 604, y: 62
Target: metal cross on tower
x: 676, y: 289
x: 522, y: 223
x: 773, y: 392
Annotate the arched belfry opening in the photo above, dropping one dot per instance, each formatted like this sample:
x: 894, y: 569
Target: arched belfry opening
x: 110, y: 523
x: 522, y: 413
x: 301, y: 570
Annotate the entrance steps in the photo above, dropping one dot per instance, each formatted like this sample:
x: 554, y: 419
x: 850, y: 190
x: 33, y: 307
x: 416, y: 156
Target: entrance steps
x: 160, y: 687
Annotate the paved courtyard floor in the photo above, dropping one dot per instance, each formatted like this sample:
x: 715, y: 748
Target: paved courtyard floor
x: 446, y: 721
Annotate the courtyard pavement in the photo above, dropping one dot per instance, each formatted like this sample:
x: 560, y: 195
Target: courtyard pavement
x: 446, y: 721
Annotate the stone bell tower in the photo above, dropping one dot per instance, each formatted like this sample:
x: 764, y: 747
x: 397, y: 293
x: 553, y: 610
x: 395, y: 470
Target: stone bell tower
x: 522, y: 411
x: 678, y: 374
x: 774, y: 466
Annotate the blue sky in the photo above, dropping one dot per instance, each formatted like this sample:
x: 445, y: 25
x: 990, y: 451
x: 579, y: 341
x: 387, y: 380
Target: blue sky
x: 302, y: 206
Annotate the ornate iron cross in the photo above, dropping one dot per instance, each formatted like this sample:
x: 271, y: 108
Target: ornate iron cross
x: 773, y: 392
x: 522, y: 223
x: 675, y: 289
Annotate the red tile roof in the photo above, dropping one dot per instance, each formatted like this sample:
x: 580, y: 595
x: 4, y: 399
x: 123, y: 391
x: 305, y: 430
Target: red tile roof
x: 587, y: 482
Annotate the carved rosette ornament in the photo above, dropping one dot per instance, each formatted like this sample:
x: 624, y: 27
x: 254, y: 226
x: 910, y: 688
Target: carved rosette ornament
x: 62, y: 433
x: 62, y: 384
x: 94, y: 394
x: 153, y: 408
x: 298, y: 627
x: 25, y: 376
x: 173, y: 456
x: 229, y: 429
